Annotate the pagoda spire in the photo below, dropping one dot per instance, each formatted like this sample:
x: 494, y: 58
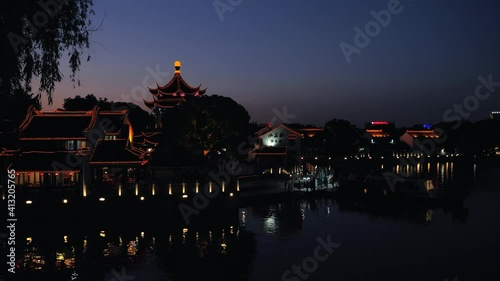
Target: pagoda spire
x: 176, y: 92
x: 177, y: 65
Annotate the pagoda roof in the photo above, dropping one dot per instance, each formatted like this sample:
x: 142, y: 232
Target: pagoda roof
x: 114, y: 121
x: 266, y: 128
x: 47, y: 125
x: 262, y: 133
x: 169, y: 102
x: 177, y: 86
x: 422, y: 133
x: 152, y: 138
x: 116, y: 152
x: 377, y: 133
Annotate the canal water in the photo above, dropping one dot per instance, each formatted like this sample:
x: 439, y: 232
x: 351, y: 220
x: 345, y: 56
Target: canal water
x: 313, y: 238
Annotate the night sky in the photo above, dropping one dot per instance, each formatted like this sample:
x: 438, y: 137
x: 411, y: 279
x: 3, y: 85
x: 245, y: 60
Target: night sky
x: 270, y: 54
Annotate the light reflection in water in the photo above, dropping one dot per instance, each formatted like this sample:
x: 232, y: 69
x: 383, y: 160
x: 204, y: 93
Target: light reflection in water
x: 444, y: 172
x: 428, y: 215
x: 222, y: 240
x: 271, y: 224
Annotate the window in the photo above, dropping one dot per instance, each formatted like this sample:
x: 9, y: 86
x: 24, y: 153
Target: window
x: 69, y: 145
x: 81, y: 144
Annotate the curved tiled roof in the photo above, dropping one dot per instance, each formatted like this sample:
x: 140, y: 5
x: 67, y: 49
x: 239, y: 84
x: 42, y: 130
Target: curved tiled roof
x: 173, y: 92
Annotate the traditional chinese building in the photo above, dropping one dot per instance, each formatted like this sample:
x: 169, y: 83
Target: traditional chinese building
x: 379, y: 139
x: 413, y: 137
x: 176, y: 92
x: 277, y: 148
x: 73, y: 149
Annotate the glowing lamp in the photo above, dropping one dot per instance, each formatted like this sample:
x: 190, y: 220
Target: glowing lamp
x: 231, y: 194
x: 142, y: 198
x: 65, y: 201
x: 29, y: 202
x: 184, y: 196
x: 102, y: 199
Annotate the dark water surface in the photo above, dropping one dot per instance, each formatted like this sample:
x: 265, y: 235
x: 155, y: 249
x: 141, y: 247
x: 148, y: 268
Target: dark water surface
x: 281, y: 241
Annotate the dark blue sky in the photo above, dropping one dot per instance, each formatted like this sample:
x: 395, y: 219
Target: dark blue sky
x: 271, y: 54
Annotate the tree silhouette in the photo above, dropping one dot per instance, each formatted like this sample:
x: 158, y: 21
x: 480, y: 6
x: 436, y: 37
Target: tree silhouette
x: 341, y: 137
x: 34, y: 37
x: 213, y: 123
x: 13, y: 108
x: 139, y: 118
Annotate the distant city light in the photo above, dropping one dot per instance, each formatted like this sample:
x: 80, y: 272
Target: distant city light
x: 380, y: 123
x: 65, y: 201
x: 184, y: 196
x: 29, y: 202
x: 102, y: 199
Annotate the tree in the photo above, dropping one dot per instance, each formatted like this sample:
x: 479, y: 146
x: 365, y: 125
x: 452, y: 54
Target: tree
x: 35, y: 35
x: 341, y: 137
x: 14, y: 106
x: 139, y: 118
x: 78, y: 103
x: 214, y: 124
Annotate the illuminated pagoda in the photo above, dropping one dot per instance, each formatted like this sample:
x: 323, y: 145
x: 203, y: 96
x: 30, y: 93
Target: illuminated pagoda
x: 174, y: 93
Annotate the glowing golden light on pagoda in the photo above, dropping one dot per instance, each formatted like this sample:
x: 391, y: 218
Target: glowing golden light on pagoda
x: 177, y: 65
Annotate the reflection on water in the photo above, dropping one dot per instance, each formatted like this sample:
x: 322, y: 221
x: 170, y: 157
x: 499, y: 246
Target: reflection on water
x: 93, y: 251
x: 381, y: 239
x: 444, y: 172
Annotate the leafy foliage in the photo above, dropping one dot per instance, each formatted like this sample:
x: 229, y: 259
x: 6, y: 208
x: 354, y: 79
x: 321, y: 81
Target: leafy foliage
x: 211, y: 123
x: 341, y: 136
x: 139, y: 118
x: 35, y: 36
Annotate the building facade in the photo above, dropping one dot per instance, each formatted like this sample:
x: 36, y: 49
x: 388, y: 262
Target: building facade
x: 73, y: 151
x: 277, y: 148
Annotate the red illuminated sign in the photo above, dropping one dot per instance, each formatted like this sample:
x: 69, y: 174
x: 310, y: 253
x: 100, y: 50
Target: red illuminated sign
x: 379, y: 123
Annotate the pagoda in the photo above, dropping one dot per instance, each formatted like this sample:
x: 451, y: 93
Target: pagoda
x: 174, y: 93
